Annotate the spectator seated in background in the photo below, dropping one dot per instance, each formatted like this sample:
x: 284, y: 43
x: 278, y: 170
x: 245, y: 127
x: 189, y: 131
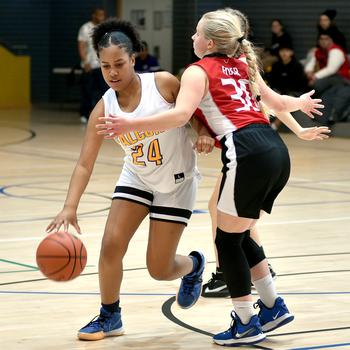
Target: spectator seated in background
x: 328, y: 69
x: 146, y: 62
x: 326, y: 23
x: 287, y: 75
x: 279, y: 37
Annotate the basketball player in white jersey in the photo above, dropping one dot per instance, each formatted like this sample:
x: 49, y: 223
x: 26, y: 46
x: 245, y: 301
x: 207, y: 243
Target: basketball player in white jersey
x: 229, y: 91
x: 159, y: 178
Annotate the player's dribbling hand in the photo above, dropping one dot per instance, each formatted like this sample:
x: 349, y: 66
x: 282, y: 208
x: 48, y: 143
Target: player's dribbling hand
x: 311, y: 105
x: 66, y: 217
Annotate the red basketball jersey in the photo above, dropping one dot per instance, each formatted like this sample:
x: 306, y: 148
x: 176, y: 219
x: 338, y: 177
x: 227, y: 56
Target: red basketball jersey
x: 229, y: 104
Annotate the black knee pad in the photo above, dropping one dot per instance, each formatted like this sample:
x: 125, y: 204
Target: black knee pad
x: 223, y: 238
x: 254, y: 253
x: 233, y: 262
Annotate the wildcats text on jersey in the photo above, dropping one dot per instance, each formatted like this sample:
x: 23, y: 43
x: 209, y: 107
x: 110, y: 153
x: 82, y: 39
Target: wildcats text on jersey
x: 133, y: 137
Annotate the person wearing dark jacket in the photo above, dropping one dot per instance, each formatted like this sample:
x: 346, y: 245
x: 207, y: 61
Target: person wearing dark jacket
x: 287, y: 75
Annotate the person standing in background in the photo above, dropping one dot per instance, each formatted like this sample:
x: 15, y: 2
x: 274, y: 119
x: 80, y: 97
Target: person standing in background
x: 145, y: 62
x: 92, y: 83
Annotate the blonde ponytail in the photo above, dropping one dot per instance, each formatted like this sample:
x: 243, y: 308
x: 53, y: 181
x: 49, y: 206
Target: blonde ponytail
x: 253, y: 71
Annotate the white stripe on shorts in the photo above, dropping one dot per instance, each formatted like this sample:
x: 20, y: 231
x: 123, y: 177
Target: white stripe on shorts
x: 166, y: 217
x: 226, y: 203
x: 132, y: 197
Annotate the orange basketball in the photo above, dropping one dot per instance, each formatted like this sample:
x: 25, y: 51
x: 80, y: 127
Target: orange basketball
x: 61, y: 256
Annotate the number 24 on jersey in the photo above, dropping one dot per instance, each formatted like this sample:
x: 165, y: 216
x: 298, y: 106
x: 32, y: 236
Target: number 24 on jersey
x: 153, y: 153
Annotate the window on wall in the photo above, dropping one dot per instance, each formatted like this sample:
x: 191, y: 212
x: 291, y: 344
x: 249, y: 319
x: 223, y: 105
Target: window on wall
x: 156, y: 51
x: 138, y: 18
x: 161, y: 19
x: 167, y: 19
x: 157, y: 20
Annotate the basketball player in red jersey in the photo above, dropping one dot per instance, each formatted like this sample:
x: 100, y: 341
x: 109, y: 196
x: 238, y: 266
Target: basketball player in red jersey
x: 216, y: 286
x: 228, y: 92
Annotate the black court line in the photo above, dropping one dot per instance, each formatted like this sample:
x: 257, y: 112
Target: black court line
x: 326, y: 346
x: 45, y: 175
x: 29, y: 185
x: 145, y: 268
x: 314, y: 145
x: 83, y: 274
x: 311, y: 188
x: 166, y: 310
x: 307, y: 255
x: 311, y: 331
x: 72, y: 159
x: 297, y: 256
x: 50, y: 217
x: 31, y: 197
x: 32, y: 134
x: 311, y: 273
x: 317, y: 182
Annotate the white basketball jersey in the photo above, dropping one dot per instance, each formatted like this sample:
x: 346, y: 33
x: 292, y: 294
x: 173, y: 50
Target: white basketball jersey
x: 161, y: 159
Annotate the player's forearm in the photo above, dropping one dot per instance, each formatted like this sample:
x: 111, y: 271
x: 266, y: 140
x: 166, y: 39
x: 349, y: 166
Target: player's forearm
x: 288, y: 120
x: 172, y: 118
x: 199, y: 127
x: 79, y: 180
x: 276, y: 102
x: 290, y: 104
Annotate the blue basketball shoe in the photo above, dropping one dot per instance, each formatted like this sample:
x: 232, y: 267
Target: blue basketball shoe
x: 275, y: 317
x: 107, y: 324
x: 191, y: 284
x: 241, y: 334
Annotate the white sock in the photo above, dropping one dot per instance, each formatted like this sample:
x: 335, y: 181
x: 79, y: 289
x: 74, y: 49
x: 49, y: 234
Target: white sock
x: 267, y: 291
x: 244, y: 310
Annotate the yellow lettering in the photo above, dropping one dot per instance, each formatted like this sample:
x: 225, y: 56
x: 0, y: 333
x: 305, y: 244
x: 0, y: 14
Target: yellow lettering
x: 130, y: 139
x: 123, y: 140
x: 140, y: 135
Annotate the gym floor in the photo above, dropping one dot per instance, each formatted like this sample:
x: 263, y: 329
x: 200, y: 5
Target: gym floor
x: 306, y: 239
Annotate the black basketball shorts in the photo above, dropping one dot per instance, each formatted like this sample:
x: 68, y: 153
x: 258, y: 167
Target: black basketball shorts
x: 256, y: 167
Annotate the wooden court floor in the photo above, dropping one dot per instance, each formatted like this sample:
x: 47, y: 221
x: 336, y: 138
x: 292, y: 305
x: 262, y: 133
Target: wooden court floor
x: 307, y: 239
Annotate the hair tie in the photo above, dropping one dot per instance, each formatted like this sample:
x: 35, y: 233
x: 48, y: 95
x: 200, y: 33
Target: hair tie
x: 240, y: 39
x: 258, y: 98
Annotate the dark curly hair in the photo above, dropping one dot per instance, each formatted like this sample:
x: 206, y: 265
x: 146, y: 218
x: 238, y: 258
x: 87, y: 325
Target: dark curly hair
x: 118, y: 32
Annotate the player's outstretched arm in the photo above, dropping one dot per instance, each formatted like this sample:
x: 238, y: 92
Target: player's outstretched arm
x: 81, y: 174
x: 192, y: 90
x: 283, y: 103
x: 309, y: 134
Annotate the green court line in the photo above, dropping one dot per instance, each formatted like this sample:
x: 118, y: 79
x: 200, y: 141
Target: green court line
x: 18, y: 271
x: 19, y: 264
x: 32, y: 268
